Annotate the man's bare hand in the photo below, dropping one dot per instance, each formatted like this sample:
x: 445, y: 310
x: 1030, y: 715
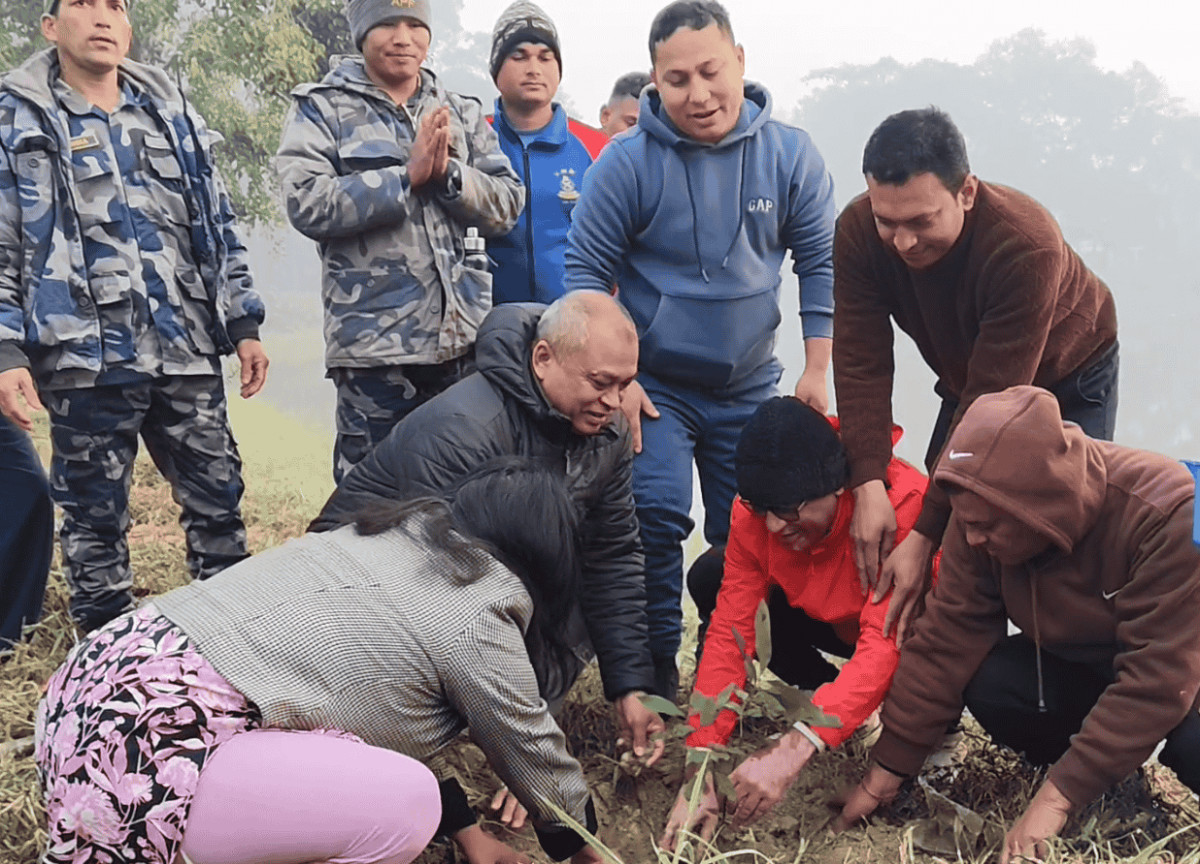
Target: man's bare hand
x: 703, y: 821
x: 637, y: 725
x: 1042, y: 819
x: 877, y: 786
x: 511, y: 812
x: 16, y: 385
x: 812, y: 390
x: 873, y: 530
x: 254, y: 366
x: 764, y: 777
x: 907, y: 570
x: 480, y: 847
x: 430, y: 155
x: 635, y: 403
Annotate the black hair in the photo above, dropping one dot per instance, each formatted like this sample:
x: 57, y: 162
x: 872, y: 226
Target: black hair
x: 629, y: 86
x: 918, y: 141
x: 693, y: 14
x: 519, y: 512
x: 52, y: 9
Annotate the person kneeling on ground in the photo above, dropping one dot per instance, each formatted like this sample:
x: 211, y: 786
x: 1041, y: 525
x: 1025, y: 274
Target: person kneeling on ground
x: 1086, y: 546
x: 279, y: 710
x: 790, y: 545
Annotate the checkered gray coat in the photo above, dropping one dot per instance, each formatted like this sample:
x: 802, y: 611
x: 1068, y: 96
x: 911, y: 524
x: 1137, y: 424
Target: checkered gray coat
x: 377, y: 636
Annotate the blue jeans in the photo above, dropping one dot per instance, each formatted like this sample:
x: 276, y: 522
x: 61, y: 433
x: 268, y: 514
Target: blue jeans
x: 697, y: 426
x: 26, y: 533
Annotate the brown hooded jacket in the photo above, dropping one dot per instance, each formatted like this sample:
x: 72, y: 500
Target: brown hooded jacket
x: 1120, y: 580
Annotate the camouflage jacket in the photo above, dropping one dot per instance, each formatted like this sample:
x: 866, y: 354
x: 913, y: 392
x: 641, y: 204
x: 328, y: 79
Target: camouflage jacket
x: 48, y: 298
x: 395, y: 288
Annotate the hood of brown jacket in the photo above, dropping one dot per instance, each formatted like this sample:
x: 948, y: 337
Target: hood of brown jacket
x: 1014, y: 450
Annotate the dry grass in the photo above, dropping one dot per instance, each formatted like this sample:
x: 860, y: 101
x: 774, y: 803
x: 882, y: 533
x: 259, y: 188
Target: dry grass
x: 287, y: 478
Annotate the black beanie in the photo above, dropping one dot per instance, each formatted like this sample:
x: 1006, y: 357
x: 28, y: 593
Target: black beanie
x: 788, y: 454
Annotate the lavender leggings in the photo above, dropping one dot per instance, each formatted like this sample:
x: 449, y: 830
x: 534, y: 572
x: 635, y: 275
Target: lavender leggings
x: 273, y: 797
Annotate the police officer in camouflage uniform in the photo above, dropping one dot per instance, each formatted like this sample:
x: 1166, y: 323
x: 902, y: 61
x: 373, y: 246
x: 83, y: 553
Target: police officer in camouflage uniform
x: 386, y: 171
x: 122, y: 281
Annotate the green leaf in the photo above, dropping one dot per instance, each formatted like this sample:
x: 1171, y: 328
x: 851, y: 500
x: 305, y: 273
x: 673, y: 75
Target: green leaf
x: 762, y: 634
x: 725, y: 786
x: 659, y: 705
x: 696, y: 756
x: 740, y: 640
x: 798, y: 706
x: 706, y: 707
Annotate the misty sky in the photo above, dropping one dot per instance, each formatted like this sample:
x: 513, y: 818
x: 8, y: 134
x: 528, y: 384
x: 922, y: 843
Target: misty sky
x: 785, y: 40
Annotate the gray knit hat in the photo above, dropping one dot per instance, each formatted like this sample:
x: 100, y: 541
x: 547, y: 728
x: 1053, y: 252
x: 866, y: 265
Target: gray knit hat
x: 365, y: 14
x: 522, y: 22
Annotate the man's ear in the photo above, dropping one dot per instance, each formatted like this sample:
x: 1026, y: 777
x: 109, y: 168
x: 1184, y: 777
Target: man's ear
x: 741, y: 58
x: 541, y: 359
x: 605, y: 113
x: 968, y: 192
x: 50, y: 28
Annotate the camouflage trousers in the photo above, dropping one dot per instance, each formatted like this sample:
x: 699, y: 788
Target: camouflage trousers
x: 371, y: 401
x: 95, y: 432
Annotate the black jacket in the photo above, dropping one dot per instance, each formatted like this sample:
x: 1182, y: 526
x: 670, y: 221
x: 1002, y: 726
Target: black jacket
x: 500, y: 411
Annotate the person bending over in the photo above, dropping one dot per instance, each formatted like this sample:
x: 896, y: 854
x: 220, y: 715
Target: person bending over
x: 281, y: 710
x: 790, y: 545
x: 1087, y: 547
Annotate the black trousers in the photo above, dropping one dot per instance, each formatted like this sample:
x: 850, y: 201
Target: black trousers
x: 1003, y: 696
x: 1088, y: 397
x: 796, y: 639
x: 26, y: 533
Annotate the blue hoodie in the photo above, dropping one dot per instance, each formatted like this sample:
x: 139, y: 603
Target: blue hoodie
x: 695, y: 235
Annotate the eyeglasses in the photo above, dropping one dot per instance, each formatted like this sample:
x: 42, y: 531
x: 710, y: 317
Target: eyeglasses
x: 785, y: 513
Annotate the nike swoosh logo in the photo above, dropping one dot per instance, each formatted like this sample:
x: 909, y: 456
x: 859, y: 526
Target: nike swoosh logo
x: 959, y: 454
x: 1108, y: 595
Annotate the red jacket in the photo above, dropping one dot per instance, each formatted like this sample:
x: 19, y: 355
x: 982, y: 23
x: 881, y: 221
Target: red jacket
x: 823, y: 582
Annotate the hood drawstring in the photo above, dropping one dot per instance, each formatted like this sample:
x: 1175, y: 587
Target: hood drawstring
x: 1037, y: 642
x: 737, y: 232
x: 687, y: 176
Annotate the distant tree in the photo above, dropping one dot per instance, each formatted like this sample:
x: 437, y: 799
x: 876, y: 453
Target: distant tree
x: 238, y: 60
x: 1112, y: 155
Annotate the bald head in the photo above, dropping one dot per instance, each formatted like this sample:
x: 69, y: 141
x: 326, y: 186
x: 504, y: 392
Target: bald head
x: 584, y: 355
x: 571, y: 319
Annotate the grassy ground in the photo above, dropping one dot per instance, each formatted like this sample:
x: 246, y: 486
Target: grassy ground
x: 287, y: 475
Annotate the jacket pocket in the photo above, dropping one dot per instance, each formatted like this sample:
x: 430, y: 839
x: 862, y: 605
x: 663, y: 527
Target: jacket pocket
x: 161, y: 158
x: 711, y: 342
x: 110, y: 288
x: 165, y: 176
x: 469, y: 307
x: 197, y: 310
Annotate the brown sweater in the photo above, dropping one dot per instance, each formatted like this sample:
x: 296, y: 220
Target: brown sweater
x: 1121, y: 581
x: 1010, y: 303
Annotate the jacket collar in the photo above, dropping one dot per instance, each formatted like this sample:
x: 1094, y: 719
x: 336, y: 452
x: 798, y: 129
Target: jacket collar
x: 553, y: 134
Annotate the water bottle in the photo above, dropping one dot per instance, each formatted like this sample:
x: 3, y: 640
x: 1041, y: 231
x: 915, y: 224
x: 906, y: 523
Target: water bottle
x: 475, y: 251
